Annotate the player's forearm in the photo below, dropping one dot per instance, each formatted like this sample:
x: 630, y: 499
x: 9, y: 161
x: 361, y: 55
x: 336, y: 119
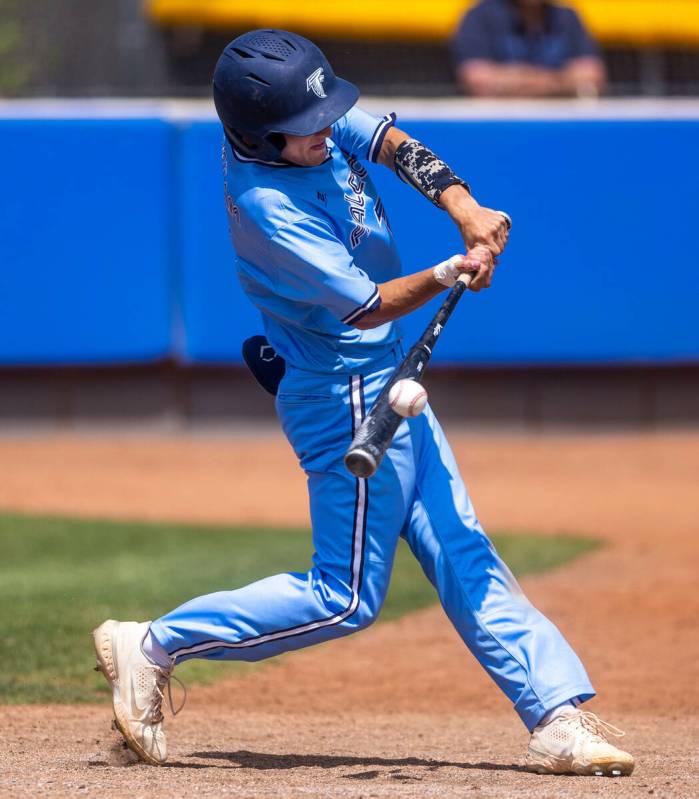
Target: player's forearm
x: 401, y: 296
x: 418, y: 166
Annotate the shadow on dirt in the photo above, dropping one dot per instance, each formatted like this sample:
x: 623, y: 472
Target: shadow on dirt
x: 264, y: 761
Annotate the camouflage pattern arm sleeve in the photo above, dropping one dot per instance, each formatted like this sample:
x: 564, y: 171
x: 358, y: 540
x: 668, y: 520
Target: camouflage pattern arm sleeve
x: 417, y: 165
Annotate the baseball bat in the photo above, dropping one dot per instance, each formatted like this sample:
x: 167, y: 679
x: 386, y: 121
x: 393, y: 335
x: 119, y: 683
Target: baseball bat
x: 374, y: 437
x: 379, y: 426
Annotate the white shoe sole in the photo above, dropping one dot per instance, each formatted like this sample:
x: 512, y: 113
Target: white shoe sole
x: 106, y: 663
x: 540, y: 763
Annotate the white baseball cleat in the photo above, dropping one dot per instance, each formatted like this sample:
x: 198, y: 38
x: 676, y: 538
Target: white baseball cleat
x: 575, y: 742
x: 138, y: 687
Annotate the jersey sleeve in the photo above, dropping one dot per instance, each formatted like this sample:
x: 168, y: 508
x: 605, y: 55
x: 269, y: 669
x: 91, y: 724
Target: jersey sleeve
x: 361, y: 133
x: 312, y: 266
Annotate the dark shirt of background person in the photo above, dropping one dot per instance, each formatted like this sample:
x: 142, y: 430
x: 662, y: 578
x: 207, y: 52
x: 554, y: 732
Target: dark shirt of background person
x: 515, y: 48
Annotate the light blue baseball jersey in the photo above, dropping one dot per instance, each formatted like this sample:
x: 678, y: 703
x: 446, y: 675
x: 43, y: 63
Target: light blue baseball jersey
x: 312, y: 243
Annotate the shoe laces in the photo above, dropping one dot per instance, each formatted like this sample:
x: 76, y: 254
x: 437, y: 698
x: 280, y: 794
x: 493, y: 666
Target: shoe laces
x: 594, y: 725
x: 163, y: 685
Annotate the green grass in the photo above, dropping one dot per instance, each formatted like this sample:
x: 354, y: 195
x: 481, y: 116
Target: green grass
x: 61, y: 577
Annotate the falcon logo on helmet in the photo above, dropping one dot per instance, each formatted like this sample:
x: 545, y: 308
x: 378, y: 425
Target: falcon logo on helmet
x: 314, y: 83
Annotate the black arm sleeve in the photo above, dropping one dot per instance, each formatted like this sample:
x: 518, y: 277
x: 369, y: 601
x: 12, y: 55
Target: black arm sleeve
x: 420, y: 167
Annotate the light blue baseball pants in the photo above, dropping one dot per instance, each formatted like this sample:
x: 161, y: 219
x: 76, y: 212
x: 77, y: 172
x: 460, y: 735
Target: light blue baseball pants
x: 416, y: 493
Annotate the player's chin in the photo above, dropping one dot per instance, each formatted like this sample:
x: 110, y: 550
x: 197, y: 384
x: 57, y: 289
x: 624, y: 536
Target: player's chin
x: 317, y: 155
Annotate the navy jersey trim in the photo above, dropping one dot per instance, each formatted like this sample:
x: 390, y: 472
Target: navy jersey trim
x: 384, y: 126
x: 359, y: 524
x: 365, y: 308
x: 246, y: 159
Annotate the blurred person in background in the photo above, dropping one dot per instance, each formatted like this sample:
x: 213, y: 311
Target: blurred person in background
x: 533, y: 48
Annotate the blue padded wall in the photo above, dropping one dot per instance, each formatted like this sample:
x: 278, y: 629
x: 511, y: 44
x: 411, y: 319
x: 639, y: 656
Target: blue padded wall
x: 114, y: 245
x: 86, y: 241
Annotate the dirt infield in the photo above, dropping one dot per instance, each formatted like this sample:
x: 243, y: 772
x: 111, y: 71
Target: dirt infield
x: 401, y: 710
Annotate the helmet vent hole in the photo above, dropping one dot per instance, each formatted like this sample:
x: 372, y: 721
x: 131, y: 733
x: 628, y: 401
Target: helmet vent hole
x: 242, y: 53
x: 258, y: 79
x: 271, y: 46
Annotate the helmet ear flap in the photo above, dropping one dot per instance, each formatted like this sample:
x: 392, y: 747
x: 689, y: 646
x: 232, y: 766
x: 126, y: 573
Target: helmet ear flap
x: 267, y: 149
x: 277, y: 140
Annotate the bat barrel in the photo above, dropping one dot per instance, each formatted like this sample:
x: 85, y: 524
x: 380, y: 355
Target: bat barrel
x: 370, y: 443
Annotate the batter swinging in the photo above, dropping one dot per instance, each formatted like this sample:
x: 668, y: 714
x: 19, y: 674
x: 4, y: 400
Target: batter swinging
x: 316, y: 255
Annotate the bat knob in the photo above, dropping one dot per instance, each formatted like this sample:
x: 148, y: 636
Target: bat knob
x: 360, y: 462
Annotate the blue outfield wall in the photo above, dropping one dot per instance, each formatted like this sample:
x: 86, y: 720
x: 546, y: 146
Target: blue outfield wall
x: 114, y: 247
x: 86, y: 241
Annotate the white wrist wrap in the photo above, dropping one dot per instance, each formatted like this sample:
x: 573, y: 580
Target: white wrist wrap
x: 447, y: 272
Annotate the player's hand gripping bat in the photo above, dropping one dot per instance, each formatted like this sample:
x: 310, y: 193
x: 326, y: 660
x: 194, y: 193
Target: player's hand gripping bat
x: 378, y: 428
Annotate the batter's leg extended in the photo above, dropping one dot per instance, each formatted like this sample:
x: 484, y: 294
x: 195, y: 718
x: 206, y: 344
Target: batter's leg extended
x: 356, y: 526
x: 521, y: 649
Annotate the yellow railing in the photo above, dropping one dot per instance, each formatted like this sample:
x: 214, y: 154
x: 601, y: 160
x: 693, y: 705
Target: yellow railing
x: 645, y: 23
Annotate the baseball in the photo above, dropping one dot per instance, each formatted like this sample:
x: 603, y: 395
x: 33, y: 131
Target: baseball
x: 407, y: 398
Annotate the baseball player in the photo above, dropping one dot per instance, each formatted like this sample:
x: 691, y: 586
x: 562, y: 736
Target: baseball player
x: 315, y: 253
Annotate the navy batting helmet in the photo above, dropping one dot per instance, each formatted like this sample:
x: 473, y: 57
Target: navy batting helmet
x: 271, y: 82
